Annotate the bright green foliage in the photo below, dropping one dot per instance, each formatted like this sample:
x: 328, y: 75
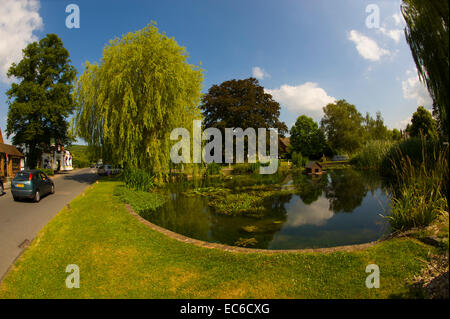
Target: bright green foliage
x: 140, y: 201
x: 138, y: 179
x: 422, y: 123
x: 41, y: 101
x: 420, y: 190
x: 130, y: 102
x: 342, y: 125
x: 427, y: 24
x: 371, y: 155
x: 375, y: 128
x: 298, y: 159
x: 307, y: 138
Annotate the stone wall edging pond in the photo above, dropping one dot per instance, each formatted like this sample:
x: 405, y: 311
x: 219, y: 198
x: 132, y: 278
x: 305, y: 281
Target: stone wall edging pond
x: 201, y: 243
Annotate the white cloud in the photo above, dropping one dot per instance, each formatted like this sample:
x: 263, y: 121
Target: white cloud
x: 259, y: 73
x: 18, y: 20
x: 398, y: 18
x: 413, y: 88
x: 394, y: 34
x: 367, y: 47
x: 306, y: 98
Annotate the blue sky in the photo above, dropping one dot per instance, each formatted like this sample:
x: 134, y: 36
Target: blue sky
x: 305, y: 53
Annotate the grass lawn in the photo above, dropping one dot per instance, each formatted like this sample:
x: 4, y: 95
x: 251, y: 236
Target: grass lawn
x: 119, y: 257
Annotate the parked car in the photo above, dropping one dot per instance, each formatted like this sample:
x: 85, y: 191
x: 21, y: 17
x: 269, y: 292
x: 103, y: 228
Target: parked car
x: 106, y: 170
x: 31, y: 184
x: 340, y: 158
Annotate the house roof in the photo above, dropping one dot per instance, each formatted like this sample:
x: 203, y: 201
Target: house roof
x: 1, y: 137
x: 285, y: 141
x: 10, y: 150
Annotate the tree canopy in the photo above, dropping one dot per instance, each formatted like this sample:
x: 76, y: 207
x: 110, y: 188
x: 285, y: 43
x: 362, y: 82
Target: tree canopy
x: 241, y: 103
x: 129, y: 103
x: 426, y: 31
x: 307, y: 138
x: 422, y: 123
x: 41, y: 101
x: 342, y: 124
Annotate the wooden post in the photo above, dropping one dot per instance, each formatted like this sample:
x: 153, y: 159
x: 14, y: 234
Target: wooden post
x: 10, y: 170
x: 2, y: 163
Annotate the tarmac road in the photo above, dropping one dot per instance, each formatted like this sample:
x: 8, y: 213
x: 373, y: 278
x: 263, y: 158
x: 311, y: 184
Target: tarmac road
x: 21, y: 221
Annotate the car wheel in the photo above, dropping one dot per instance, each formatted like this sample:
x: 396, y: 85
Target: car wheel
x: 37, y: 197
x: 15, y: 199
x: 52, y: 191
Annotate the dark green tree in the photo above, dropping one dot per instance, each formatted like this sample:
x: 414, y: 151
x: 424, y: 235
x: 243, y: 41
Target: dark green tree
x: 41, y: 101
x: 342, y: 124
x: 422, y: 123
x: 426, y: 31
x: 307, y: 138
x: 241, y: 103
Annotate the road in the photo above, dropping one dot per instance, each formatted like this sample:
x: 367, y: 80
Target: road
x: 21, y: 221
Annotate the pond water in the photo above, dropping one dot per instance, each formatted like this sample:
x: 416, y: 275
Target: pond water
x: 341, y: 207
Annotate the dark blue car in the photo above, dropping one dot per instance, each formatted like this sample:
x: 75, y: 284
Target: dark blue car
x: 32, y: 184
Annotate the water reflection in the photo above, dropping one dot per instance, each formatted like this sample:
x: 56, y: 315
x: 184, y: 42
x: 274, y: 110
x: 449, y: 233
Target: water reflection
x: 306, y: 214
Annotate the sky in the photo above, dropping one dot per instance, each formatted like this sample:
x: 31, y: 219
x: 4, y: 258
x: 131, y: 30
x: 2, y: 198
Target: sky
x: 305, y: 53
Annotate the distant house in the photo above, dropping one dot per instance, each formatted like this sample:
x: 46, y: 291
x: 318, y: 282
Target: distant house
x: 11, y: 160
x: 313, y: 167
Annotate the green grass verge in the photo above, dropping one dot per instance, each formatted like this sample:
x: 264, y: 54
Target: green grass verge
x: 119, y: 257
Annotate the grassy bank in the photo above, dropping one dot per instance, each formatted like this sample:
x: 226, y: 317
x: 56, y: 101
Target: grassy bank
x: 119, y: 257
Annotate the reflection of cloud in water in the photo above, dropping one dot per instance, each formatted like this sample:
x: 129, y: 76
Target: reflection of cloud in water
x: 299, y: 214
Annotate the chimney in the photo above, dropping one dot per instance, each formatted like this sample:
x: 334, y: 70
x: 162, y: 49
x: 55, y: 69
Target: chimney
x: 1, y: 137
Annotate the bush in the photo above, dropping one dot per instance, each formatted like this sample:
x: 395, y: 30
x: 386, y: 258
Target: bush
x: 371, y: 155
x: 80, y: 163
x: 418, y: 151
x: 138, y: 179
x: 47, y: 171
x: 246, y: 168
x: 213, y: 168
x: 298, y: 160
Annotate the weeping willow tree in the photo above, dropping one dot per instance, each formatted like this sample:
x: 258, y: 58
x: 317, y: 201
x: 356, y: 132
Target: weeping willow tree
x: 427, y: 35
x: 128, y: 104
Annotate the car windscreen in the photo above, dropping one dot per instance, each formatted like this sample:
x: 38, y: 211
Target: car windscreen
x: 22, y: 176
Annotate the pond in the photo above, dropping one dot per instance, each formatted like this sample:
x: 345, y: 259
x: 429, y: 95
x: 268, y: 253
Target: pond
x: 280, y: 211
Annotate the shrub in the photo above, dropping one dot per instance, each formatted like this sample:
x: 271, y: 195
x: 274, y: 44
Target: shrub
x: 138, y: 179
x: 47, y: 171
x: 371, y: 155
x: 418, y: 151
x: 213, y: 168
x: 246, y: 168
x: 298, y: 160
x: 80, y: 163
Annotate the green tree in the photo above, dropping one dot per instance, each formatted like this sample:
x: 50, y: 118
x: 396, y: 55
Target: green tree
x: 422, y: 123
x: 396, y: 134
x: 140, y: 91
x: 241, y: 103
x: 41, y: 101
x: 426, y: 31
x: 375, y: 128
x: 307, y: 138
x: 342, y: 124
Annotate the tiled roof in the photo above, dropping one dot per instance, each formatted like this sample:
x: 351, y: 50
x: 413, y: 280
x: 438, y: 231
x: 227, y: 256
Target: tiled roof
x: 10, y: 150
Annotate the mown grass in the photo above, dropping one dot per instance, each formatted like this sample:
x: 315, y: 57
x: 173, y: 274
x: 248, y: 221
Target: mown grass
x: 119, y: 257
